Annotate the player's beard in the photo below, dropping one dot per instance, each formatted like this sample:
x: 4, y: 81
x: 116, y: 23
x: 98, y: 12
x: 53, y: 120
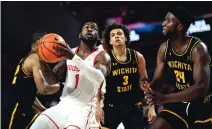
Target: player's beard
x: 89, y: 42
x: 171, y: 35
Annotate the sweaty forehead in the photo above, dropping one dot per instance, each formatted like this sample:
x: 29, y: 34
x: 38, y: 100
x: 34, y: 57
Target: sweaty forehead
x: 90, y: 24
x: 116, y: 31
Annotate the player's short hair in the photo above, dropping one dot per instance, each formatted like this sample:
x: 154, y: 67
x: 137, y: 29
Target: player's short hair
x: 87, y: 23
x: 185, y: 17
x: 108, y: 29
x: 37, y: 35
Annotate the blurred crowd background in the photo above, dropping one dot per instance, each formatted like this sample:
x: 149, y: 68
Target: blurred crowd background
x: 144, y: 19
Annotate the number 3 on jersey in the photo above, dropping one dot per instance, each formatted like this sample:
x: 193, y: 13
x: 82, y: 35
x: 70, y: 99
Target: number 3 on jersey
x: 180, y: 76
x: 125, y: 80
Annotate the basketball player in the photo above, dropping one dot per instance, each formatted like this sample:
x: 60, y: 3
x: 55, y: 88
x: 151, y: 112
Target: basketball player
x: 25, y: 84
x: 123, y: 99
x: 183, y: 63
x: 85, y: 68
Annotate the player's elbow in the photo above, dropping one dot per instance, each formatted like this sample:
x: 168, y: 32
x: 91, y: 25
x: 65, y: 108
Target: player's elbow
x: 42, y: 91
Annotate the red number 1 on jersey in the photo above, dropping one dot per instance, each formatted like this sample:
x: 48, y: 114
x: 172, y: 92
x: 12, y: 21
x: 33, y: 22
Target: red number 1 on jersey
x: 77, y: 80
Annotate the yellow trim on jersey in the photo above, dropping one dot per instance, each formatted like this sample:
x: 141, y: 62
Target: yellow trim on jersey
x: 204, y: 121
x: 136, y: 57
x: 193, y: 48
x: 207, y: 98
x: 185, y: 50
x: 100, y: 126
x: 13, y: 114
x: 167, y: 45
x: 120, y: 61
x: 35, y: 116
x: 173, y: 113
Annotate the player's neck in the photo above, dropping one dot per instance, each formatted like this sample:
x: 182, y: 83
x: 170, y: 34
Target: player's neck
x: 180, y: 40
x: 120, y: 51
x: 85, y: 48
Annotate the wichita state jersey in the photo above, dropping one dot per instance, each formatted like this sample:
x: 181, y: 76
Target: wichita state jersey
x: 179, y: 67
x: 23, y: 85
x: 122, y: 83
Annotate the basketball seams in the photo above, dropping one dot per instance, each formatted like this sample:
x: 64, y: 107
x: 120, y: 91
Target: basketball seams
x: 47, y: 51
x: 50, y: 50
x: 43, y: 53
x: 43, y: 42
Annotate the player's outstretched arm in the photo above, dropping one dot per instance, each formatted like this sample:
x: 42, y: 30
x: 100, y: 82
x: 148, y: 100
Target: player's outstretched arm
x: 201, y: 76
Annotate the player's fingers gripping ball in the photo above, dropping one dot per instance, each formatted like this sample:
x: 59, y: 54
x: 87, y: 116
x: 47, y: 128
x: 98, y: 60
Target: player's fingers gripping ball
x: 47, y: 47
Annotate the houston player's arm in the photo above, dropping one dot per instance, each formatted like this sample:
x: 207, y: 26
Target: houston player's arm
x: 42, y: 86
x: 201, y: 76
x: 60, y: 69
x: 103, y: 62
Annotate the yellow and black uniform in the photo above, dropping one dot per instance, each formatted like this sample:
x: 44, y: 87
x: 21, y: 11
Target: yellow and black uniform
x: 200, y: 110
x: 20, y: 114
x: 123, y: 98
x: 179, y: 74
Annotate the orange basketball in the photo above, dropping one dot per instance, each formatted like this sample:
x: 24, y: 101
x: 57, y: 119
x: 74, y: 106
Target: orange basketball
x: 46, y: 47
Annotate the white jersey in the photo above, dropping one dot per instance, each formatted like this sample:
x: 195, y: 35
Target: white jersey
x: 77, y: 106
x: 79, y: 88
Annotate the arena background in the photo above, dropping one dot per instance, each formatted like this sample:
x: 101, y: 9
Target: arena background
x: 21, y: 19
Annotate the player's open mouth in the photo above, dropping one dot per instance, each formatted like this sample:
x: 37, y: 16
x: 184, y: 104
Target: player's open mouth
x: 118, y: 40
x: 89, y: 35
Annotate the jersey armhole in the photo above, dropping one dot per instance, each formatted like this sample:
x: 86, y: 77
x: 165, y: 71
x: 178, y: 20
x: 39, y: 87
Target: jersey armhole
x: 190, y: 56
x: 167, y: 45
x: 136, y: 57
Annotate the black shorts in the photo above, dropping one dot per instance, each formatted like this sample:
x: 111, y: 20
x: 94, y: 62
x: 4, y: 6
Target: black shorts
x: 18, y: 117
x: 200, y: 112
x: 175, y: 114
x: 131, y: 117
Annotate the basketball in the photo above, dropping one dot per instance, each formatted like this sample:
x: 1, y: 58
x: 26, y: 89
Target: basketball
x: 46, y: 47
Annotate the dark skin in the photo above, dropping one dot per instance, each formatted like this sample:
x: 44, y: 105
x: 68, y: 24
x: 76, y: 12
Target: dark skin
x: 31, y: 66
x: 201, y: 71
x: 89, y: 36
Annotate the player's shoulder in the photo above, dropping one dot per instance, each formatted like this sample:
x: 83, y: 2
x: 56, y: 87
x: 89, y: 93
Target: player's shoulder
x: 198, y: 44
x: 32, y: 59
x: 200, y: 47
x: 103, y: 54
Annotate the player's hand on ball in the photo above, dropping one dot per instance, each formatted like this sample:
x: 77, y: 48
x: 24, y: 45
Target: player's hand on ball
x: 64, y: 50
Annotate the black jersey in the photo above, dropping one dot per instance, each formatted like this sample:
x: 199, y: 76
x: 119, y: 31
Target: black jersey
x: 23, y: 85
x: 123, y: 80
x: 179, y: 67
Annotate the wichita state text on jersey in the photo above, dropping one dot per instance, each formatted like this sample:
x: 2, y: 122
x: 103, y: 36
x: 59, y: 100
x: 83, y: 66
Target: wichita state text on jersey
x: 179, y: 67
x: 123, y: 80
